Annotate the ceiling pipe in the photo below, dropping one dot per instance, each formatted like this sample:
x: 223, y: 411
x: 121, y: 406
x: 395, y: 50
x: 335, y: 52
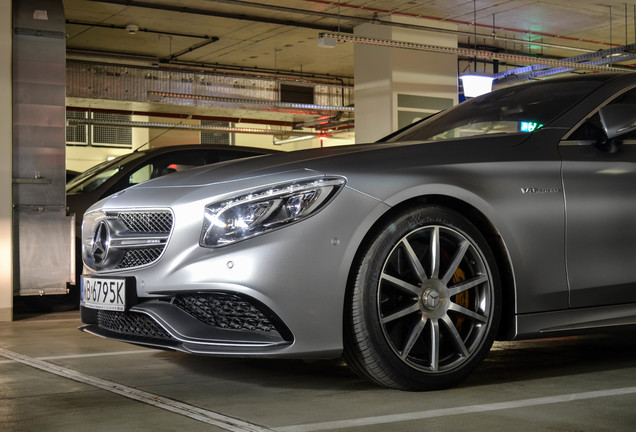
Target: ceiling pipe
x: 181, y: 126
x: 207, y: 40
x: 183, y: 116
x: 143, y: 30
x: 120, y: 59
x: 192, y: 48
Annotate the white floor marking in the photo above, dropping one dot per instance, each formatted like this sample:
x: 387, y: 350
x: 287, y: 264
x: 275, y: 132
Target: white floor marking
x: 114, y: 353
x: 72, y: 356
x: 394, y: 418
x: 193, y: 412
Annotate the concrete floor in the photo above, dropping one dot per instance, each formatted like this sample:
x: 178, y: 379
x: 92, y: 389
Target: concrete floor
x: 55, y: 378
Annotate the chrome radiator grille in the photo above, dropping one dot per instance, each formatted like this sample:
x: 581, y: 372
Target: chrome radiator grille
x: 128, y: 239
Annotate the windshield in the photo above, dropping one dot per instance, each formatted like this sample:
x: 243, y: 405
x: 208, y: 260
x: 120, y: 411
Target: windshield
x: 518, y: 109
x: 92, y: 178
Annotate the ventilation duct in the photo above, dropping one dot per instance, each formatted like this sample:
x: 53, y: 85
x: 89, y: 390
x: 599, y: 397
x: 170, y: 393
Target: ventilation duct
x: 43, y: 233
x: 178, y: 126
x: 87, y: 80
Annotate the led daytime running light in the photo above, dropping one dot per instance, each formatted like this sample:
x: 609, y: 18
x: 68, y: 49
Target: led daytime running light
x: 264, y: 210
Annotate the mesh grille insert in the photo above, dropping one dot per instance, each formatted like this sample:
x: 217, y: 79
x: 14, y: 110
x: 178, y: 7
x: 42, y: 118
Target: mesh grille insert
x: 139, y: 257
x: 147, y: 222
x: 225, y: 311
x: 131, y: 324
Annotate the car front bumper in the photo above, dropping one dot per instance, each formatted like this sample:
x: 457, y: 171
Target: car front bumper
x: 279, y: 294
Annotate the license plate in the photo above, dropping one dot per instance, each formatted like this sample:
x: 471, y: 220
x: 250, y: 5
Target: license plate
x: 104, y: 293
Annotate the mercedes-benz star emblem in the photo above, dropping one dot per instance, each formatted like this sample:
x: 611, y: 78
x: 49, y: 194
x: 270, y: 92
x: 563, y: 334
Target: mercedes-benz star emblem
x: 101, y: 242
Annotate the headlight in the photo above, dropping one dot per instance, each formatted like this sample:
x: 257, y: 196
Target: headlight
x: 264, y: 210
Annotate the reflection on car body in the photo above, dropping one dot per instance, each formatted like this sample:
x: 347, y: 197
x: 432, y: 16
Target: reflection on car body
x: 508, y: 216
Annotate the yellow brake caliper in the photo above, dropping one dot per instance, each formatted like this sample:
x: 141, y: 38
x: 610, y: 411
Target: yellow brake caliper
x: 462, y: 298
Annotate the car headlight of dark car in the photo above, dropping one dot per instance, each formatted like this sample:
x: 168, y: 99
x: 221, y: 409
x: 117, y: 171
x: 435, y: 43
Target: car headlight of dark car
x: 260, y: 211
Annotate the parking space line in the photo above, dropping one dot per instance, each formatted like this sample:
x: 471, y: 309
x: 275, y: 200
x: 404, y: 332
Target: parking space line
x: 112, y: 353
x: 210, y: 417
x: 445, y: 412
x: 74, y: 356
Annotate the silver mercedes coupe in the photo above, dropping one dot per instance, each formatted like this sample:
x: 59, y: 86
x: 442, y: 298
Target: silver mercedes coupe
x: 509, y: 216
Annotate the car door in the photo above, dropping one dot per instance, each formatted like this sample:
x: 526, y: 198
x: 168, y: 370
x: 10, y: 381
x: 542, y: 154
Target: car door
x: 599, y: 182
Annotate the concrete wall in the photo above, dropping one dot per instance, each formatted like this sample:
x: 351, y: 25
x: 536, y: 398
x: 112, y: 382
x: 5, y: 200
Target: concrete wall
x: 6, y: 125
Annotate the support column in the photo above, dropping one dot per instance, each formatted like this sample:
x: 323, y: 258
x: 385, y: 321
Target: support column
x: 43, y: 240
x: 6, y: 126
x: 396, y: 86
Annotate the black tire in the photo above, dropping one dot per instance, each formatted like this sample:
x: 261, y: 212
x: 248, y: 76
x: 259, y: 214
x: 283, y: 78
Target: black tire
x: 416, y: 322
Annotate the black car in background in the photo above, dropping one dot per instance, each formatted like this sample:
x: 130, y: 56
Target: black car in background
x: 139, y: 166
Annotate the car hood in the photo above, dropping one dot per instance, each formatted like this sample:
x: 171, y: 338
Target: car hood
x: 376, y: 158
x: 373, y: 169
x: 255, y: 167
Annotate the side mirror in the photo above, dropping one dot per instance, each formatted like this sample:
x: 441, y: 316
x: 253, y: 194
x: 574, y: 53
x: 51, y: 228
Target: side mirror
x: 618, y: 119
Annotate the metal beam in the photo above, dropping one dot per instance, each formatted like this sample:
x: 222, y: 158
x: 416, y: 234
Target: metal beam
x: 467, y: 52
x: 602, y: 57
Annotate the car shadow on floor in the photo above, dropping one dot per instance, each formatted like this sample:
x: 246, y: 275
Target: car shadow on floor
x: 549, y: 358
x: 507, y: 362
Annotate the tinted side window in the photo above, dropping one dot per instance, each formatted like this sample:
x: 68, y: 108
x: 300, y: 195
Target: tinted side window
x: 177, y: 161
x: 160, y: 166
x: 516, y: 109
x: 592, y: 129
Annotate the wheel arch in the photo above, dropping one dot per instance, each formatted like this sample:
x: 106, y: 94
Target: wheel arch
x: 482, y: 223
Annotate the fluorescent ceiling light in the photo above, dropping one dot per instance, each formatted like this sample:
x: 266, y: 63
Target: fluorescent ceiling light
x: 327, y: 42
x: 476, y: 85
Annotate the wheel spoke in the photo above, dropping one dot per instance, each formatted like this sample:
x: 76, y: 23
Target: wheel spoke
x: 466, y: 285
x: 414, y: 336
x: 401, y: 313
x: 434, y: 345
x: 410, y: 288
x: 457, y: 259
x: 415, y: 261
x: 468, y: 313
x: 459, y: 343
x: 434, y: 245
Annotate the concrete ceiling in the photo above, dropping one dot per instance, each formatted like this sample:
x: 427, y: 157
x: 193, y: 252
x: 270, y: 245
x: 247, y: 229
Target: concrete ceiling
x: 283, y: 34
x: 280, y: 37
